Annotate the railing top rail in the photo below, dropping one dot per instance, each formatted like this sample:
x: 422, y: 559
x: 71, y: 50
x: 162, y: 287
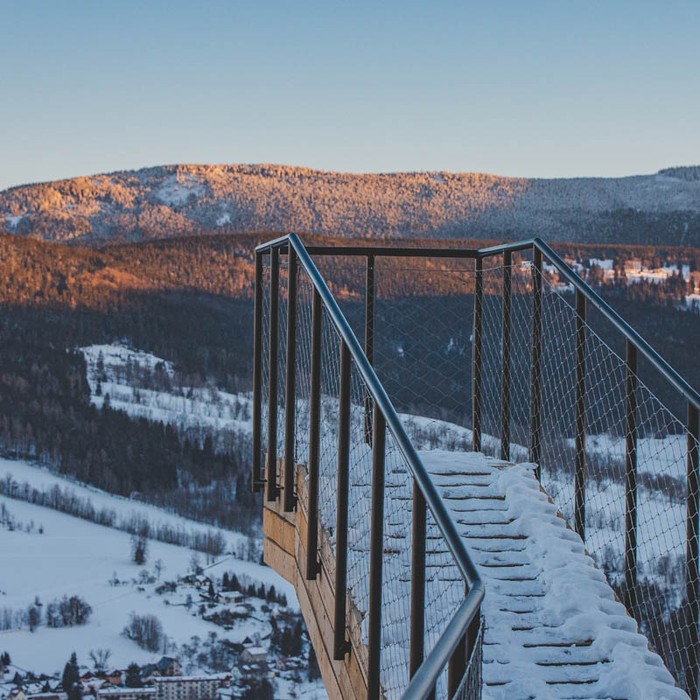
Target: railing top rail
x: 440, y: 655
x: 629, y: 333
x: 388, y: 251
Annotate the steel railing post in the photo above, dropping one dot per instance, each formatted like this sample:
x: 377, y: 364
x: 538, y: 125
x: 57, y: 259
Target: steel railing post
x: 312, y: 565
x: 476, y: 353
x: 258, y: 483
x: 580, y: 419
x: 456, y: 667
x: 631, y: 476
x: 458, y: 663
x: 376, y: 553
x: 418, y: 541
x: 340, y: 644
x: 535, y: 454
x: 290, y: 397
x: 369, y: 338
x: 505, y: 356
x: 271, y: 463
x: 692, y: 565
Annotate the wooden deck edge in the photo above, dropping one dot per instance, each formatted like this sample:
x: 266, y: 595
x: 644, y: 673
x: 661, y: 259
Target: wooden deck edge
x: 284, y: 550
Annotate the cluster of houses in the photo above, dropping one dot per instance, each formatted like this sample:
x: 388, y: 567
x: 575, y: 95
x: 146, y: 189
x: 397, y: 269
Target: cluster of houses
x: 635, y: 271
x: 157, y: 681
x: 599, y: 271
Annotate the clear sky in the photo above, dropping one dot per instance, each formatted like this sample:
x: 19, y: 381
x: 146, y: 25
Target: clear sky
x: 521, y: 87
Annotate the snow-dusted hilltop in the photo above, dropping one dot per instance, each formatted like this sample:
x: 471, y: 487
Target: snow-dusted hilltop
x: 189, y: 199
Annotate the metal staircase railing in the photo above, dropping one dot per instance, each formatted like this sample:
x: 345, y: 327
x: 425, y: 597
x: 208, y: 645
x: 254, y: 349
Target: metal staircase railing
x: 376, y: 521
x: 542, y: 369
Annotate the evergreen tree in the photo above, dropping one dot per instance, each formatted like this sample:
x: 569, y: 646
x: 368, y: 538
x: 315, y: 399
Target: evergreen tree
x: 71, y: 673
x: 33, y: 617
x: 133, y: 676
x: 139, y: 548
x: 314, y: 670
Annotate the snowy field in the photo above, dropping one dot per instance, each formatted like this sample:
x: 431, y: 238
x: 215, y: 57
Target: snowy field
x: 72, y: 556
x: 46, y: 554
x: 20, y: 478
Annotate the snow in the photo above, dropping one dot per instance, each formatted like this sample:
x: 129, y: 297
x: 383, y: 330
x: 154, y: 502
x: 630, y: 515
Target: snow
x: 574, y: 601
x: 183, y: 406
x: 13, y: 220
x: 126, y: 510
x: 78, y: 557
x: 175, y: 190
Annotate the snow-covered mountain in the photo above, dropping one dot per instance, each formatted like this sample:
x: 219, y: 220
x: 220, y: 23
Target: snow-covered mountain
x: 159, y: 202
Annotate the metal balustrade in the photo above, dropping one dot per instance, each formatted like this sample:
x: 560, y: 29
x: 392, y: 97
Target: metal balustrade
x: 417, y: 591
x: 534, y: 366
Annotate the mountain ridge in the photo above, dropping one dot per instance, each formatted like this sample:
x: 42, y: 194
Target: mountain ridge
x: 176, y: 200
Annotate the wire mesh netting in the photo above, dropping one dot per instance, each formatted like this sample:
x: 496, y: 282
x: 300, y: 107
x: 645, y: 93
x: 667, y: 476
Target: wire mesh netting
x: 445, y: 587
x: 422, y: 351
x: 646, y: 564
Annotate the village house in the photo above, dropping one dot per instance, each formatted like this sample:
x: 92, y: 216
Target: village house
x: 189, y: 687
x: 166, y: 666
x: 114, y: 678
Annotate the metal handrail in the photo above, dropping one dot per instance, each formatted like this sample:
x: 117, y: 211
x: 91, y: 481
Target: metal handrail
x: 425, y: 678
x: 424, y: 675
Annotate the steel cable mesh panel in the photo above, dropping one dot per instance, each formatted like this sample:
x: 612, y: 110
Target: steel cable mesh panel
x: 521, y: 358
x: 360, y: 501
x: 396, y: 572
x: 281, y: 357
x: 265, y: 367
x: 303, y: 368
x: 444, y: 591
x: 656, y: 597
x: 422, y: 348
x: 328, y: 439
x: 470, y: 687
x: 520, y: 330
x: 346, y: 279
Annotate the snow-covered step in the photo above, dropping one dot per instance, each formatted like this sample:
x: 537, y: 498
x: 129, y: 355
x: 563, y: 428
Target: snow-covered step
x: 554, y: 628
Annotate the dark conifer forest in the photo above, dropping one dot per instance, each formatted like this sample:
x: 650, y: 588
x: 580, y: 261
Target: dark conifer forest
x: 189, y: 301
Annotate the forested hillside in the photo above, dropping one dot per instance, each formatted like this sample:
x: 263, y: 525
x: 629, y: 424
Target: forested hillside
x: 189, y: 301
x: 186, y: 200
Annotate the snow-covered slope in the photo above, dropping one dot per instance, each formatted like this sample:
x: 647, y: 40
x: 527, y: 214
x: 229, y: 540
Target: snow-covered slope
x: 62, y: 555
x: 146, y: 386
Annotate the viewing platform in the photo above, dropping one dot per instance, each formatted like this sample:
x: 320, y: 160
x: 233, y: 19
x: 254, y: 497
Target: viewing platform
x: 543, y: 546
x: 553, y: 626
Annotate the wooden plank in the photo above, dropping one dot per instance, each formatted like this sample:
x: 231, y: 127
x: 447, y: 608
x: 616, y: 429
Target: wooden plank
x: 279, y: 530
x: 317, y: 618
x: 322, y: 589
x: 279, y: 560
x: 285, y: 537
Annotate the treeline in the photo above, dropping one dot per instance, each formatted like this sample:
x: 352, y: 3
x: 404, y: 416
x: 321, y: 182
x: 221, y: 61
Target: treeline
x: 60, y: 612
x: 67, y: 501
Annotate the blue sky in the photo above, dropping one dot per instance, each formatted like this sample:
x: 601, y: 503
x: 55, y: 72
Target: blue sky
x: 526, y: 87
